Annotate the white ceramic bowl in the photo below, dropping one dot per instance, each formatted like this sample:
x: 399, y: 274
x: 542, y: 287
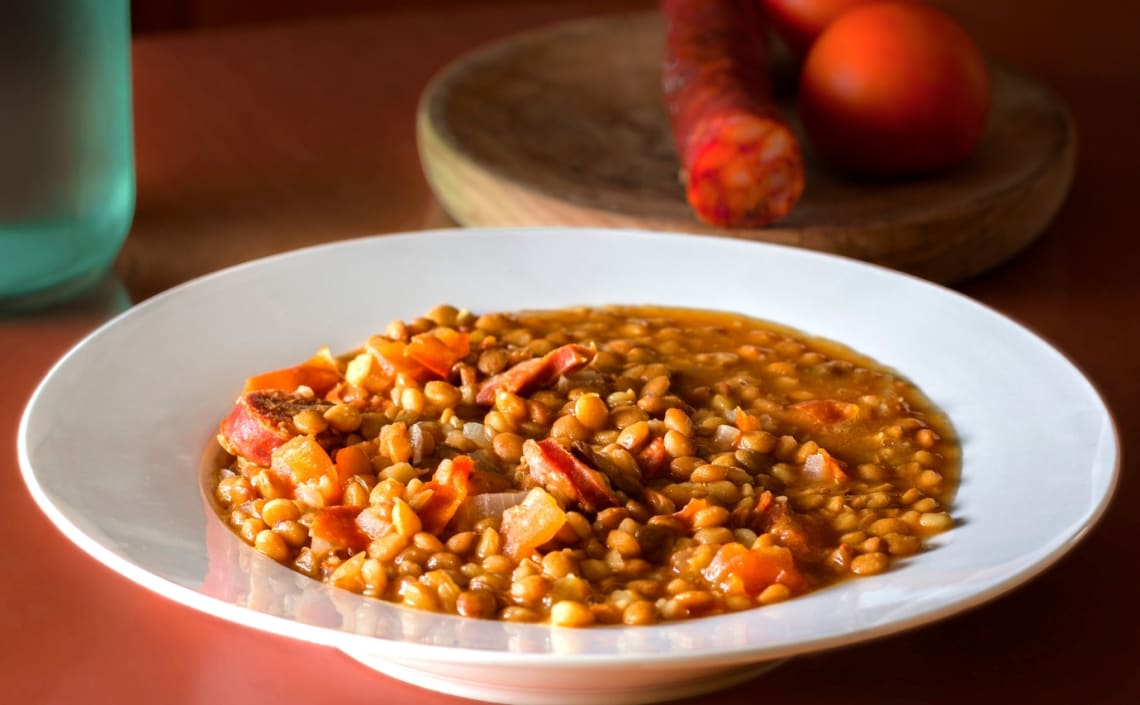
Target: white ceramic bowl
x: 111, y: 446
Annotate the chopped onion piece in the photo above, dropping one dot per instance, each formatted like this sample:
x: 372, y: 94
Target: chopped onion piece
x: 491, y: 504
x: 726, y: 437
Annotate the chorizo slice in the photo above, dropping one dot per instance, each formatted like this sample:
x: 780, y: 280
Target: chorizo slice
x: 261, y: 421
x: 536, y: 373
x: 560, y: 473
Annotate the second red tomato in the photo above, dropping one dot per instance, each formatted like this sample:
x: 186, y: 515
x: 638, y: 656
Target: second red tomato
x: 894, y: 88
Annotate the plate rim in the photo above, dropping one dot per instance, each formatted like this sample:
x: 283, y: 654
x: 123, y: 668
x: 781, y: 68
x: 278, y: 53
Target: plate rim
x: 415, y: 651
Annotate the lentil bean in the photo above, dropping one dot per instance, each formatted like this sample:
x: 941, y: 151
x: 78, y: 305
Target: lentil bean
x: 935, y: 521
x: 677, y: 444
x: 570, y: 613
x: 594, y: 570
x: 774, y: 593
x: 276, y: 511
x: 427, y: 542
x: 251, y: 528
x: 591, y: 411
x: 234, y: 490
x: 634, y: 436
x: 516, y: 613
x: 499, y: 563
x: 557, y: 564
x: 639, y: 612
x: 625, y: 416
x: 925, y: 438
x: 310, y: 422
x: 529, y: 590
x: 929, y: 479
x: 347, y: 574
x: 293, y: 533
x: 476, y: 603
x: 355, y: 495
x: 677, y: 420
x: 268, y: 485
x: 489, y: 544
x: 414, y: 594
x: 882, y: 527
x: 709, y: 472
x: 624, y: 543
x: 611, y: 517
x: 869, y: 563
x: 872, y: 545
x: 710, y: 517
x: 272, y: 545
x: 925, y: 458
x: 759, y: 441
x: 387, y: 547
x: 902, y: 544
x: 569, y: 429
x: 714, y: 535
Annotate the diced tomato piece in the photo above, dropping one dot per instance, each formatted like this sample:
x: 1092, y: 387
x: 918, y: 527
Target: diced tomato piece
x: 739, y: 570
x: 528, y: 525
x: 438, y: 350
x: 449, y: 485
x: 319, y: 379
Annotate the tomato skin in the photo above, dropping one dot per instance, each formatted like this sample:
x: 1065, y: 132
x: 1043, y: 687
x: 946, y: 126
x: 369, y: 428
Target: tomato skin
x: 799, y: 22
x: 894, y: 88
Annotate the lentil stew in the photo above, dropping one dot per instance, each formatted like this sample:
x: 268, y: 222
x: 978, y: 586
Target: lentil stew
x: 612, y: 465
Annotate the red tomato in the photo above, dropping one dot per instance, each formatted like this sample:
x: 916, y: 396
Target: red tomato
x: 799, y: 22
x: 894, y: 88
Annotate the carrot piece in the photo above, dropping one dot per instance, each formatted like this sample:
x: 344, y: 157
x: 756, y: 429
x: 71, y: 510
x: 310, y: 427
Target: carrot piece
x: 324, y: 358
x: 741, y: 162
x: 528, y: 525
x: 335, y: 528
x: 822, y: 413
x: 438, y: 350
x: 302, y: 461
x: 389, y: 355
x: 739, y: 570
x: 352, y: 460
x: 319, y: 379
x: 689, y: 512
x: 449, y: 486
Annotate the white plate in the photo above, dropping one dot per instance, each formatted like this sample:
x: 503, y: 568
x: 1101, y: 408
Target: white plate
x: 111, y: 446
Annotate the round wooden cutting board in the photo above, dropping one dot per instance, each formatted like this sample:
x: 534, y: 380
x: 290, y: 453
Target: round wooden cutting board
x: 566, y: 126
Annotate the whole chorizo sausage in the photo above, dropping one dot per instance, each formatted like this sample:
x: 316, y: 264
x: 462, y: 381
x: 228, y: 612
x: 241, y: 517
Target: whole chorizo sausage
x: 741, y: 163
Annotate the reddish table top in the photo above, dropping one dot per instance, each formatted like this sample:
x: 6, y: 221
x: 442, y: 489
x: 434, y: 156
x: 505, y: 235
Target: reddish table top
x: 259, y: 139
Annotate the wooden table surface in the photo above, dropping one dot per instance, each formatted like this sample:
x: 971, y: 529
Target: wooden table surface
x: 258, y: 139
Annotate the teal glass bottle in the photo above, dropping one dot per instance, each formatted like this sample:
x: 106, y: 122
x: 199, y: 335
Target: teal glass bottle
x: 67, y: 179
